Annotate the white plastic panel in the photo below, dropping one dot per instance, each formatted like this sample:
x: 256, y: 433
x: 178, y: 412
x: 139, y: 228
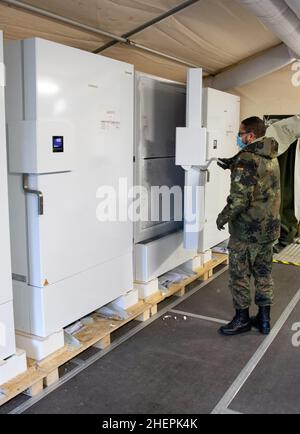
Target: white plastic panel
x: 191, y: 146
x: 39, y: 348
x: 44, y: 311
x: 7, y: 331
x: 13, y: 367
x: 32, y: 144
x: 157, y: 257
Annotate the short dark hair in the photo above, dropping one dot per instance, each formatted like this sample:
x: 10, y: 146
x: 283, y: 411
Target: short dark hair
x: 255, y: 125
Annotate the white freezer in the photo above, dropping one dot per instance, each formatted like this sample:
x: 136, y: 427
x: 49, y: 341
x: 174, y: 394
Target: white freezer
x: 7, y: 339
x: 221, y: 117
x: 72, y: 113
x: 5, y: 260
x: 7, y: 331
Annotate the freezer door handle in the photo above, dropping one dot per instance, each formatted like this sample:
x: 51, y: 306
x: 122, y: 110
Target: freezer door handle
x: 39, y: 194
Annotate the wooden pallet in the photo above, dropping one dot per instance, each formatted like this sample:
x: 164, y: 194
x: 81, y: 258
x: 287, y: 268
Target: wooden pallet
x: 98, y: 334
x: 179, y: 289
x: 45, y: 373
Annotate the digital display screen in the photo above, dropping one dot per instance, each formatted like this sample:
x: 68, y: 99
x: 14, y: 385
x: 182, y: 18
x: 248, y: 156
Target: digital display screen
x: 58, y: 144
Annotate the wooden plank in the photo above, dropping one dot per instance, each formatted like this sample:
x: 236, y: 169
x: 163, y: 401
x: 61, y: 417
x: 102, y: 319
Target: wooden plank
x: 180, y: 293
x: 103, y: 343
x: 35, y: 389
x: 21, y: 383
x: 206, y: 276
x: 144, y: 316
x: 154, y: 310
x: 99, y: 330
x: 51, y: 378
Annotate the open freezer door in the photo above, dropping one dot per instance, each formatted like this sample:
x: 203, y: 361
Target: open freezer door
x: 213, y: 119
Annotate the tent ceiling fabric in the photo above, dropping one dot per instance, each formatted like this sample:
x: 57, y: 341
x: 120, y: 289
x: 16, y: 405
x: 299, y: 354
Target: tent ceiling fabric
x: 148, y: 63
x: 214, y: 34
x: 17, y: 24
x: 115, y: 16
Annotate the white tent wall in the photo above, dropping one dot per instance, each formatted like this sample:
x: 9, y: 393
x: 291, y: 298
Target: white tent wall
x: 277, y: 93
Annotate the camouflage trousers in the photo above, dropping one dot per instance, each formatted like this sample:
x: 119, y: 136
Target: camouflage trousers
x: 246, y: 261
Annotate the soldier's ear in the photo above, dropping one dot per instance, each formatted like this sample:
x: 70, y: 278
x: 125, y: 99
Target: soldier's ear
x: 252, y: 137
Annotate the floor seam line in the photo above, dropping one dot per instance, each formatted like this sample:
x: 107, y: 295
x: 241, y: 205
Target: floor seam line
x: 246, y: 372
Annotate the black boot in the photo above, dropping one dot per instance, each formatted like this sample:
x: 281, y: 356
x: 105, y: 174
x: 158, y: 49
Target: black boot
x: 241, y: 323
x: 262, y: 320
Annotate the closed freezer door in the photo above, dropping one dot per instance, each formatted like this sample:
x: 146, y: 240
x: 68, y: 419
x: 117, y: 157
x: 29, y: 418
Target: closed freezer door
x: 93, y: 95
x: 221, y: 117
x: 5, y: 259
x: 216, y: 193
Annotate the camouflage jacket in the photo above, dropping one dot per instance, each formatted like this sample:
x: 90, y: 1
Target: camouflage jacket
x: 253, y: 207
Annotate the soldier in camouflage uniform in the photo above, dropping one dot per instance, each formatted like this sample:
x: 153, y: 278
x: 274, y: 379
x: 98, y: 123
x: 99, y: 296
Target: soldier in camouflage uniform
x: 253, y: 214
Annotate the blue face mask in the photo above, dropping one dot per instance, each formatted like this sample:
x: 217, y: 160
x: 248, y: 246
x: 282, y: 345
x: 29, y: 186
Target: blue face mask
x: 240, y: 143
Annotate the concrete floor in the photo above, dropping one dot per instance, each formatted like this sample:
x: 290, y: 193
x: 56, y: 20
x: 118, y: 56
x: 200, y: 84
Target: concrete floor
x: 183, y: 366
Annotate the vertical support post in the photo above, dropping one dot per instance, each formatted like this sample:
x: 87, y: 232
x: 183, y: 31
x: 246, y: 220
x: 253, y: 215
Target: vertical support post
x: 194, y: 98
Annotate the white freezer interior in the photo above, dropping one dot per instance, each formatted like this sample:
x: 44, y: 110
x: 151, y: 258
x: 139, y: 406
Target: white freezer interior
x: 159, y: 109
x: 55, y: 90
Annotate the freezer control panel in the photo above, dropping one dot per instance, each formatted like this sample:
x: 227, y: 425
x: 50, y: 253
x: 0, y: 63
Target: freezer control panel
x: 41, y: 146
x: 57, y: 144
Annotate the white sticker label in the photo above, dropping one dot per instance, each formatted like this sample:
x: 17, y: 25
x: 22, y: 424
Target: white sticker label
x: 110, y: 120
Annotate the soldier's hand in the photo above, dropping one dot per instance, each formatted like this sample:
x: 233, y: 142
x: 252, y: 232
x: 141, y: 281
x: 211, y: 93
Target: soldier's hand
x: 221, y: 222
x: 225, y: 163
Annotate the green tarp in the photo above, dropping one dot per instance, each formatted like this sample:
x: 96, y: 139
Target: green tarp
x: 289, y: 223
